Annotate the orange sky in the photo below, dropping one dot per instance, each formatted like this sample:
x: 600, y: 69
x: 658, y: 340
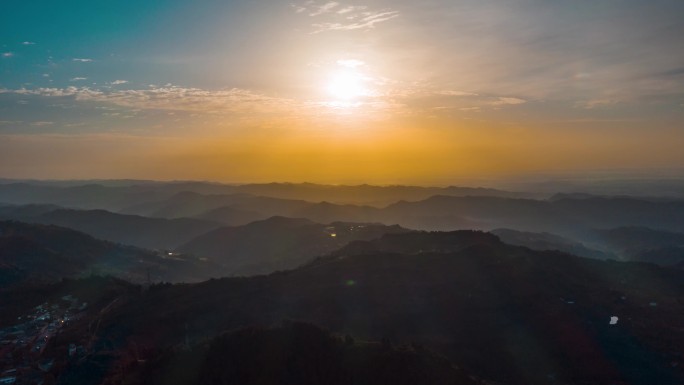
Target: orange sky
x: 335, y: 92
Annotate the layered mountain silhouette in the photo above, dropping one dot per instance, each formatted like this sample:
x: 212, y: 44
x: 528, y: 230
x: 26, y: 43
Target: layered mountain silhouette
x: 117, y: 195
x: 339, y: 284
x: 566, y: 215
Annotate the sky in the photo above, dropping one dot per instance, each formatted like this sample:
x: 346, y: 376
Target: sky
x: 379, y: 92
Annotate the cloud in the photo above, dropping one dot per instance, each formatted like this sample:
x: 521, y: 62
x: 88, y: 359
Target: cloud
x: 42, y: 123
x: 518, y: 48
x: 28, y: 43
x: 7, y: 54
x: 325, y: 8
x: 77, y: 79
x: 82, y: 60
x: 351, y: 63
x: 343, y: 17
x: 117, y: 82
x: 502, y: 101
x: 364, y: 20
x: 239, y: 104
x: 455, y: 93
x: 596, y: 103
x: 352, y: 8
x: 170, y: 98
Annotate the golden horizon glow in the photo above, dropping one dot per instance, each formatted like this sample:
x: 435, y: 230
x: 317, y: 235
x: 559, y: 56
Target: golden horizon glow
x: 339, y: 92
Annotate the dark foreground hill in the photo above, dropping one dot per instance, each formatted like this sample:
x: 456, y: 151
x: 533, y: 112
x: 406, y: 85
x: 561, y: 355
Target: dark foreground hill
x: 508, y: 314
x: 295, y: 353
x: 278, y: 243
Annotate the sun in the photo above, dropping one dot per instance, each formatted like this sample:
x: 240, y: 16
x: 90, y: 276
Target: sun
x: 346, y: 86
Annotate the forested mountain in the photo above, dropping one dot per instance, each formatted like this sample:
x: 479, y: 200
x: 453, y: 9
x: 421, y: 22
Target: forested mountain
x: 295, y: 353
x: 505, y: 313
x: 32, y: 254
x: 278, y: 243
x: 135, y: 230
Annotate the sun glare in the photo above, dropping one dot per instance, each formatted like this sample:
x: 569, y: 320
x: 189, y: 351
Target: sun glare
x: 346, y: 86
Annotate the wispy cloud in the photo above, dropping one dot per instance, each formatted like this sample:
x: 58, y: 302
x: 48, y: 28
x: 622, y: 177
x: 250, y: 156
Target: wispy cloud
x: 596, y: 103
x: 117, y: 82
x: 503, y: 101
x: 351, y: 8
x: 170, y: 98
x: 246, y: 105
x: 82, y: 60
x: 324, y: 8
x: 364, y: 20
x: 455, y: 93
x: 339, y: 16
x: 76, y: 79
x: 350, y: 63
x: 28, y: 43
x: 42, y: 123
x: 7, y: 54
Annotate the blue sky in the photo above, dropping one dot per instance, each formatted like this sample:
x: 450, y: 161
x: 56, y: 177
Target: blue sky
x: 481, y: 70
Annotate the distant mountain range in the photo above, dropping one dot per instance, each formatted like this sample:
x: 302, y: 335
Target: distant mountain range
x: 566, y: 217
x: 640, y: 230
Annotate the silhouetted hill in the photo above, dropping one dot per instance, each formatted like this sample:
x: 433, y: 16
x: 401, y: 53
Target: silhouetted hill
x: 278, y: 243
x: 365, y: 194
x: 189, y: 204
x: 325, y: 212
x: 642, y: 244
x: 565, y: 216
x: 24, y: 261
x: 21, y: 212
x: 33, y: 253
x: 666, y: 187
x: 420, y: 242
x: 548, y: 241
x: 618, y: 212
x: 37, y: 253
x: 505, y: 313
x: 231, y: 216
x: 629, y: 240
x: 152, y: 233
x: 86, y: 196
x: 113, y: 195
x: 484, y: 213
x: 664, y: 256
x: 296, y: 353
